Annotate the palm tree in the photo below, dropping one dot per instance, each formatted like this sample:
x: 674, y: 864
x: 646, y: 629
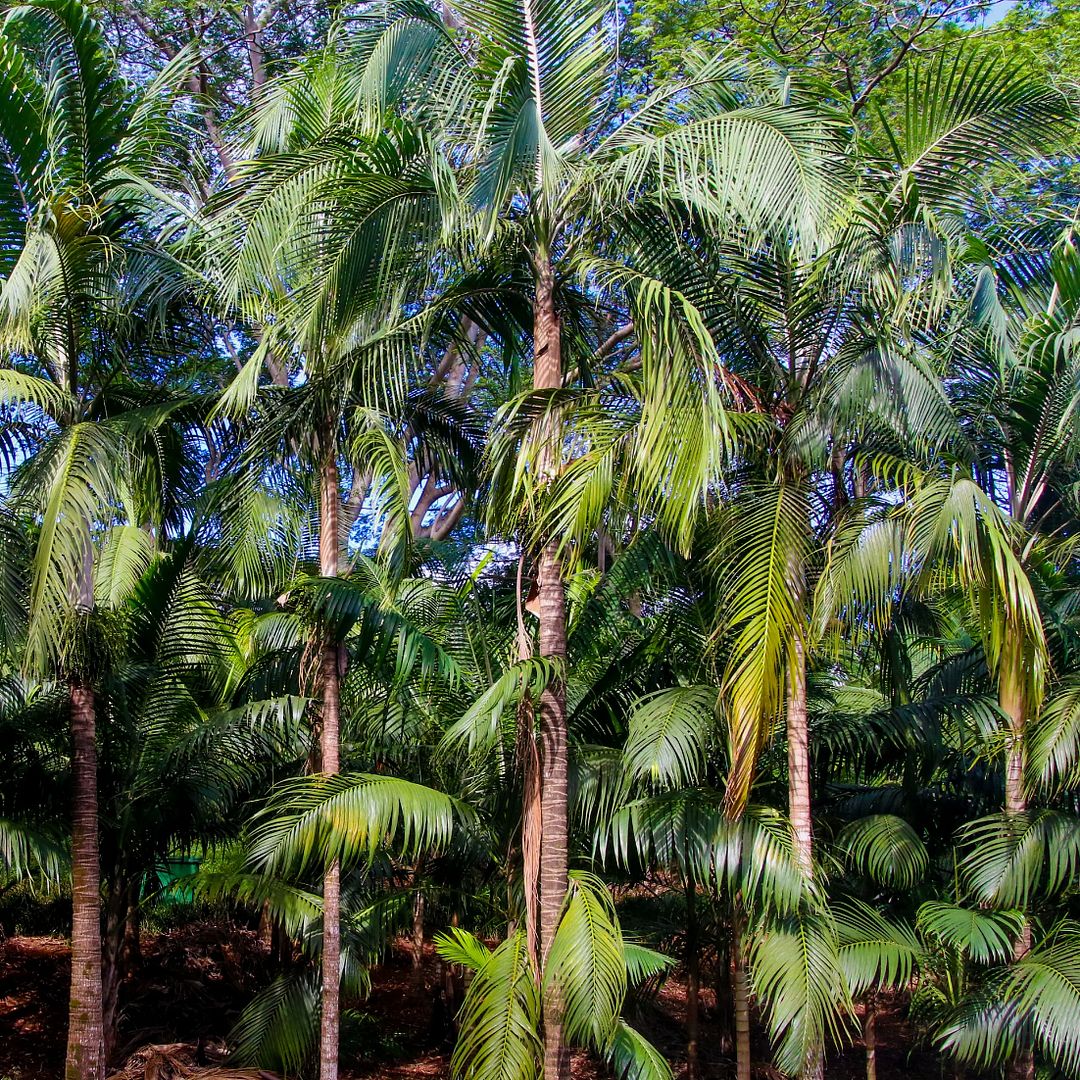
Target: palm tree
x: 823, y: 348
x: 370, y: 818
x: 543, y: 155
x: 568, y: 184
x: 1001, y: 505
x: 322, y: 238
x: 82, y: 154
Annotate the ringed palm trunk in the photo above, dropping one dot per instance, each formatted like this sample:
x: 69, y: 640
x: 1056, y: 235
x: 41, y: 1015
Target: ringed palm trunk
x: 870, y: 1037
x: 799, y: 808
x: 554, y: 843
x: 531, y: 819
x: 114, y: 966
x: 1011, y: 699
x: 798, y: 740
x: 330, y: 762
x: 741, y: 993
x: 693, y: 982
x: 85, y: 1048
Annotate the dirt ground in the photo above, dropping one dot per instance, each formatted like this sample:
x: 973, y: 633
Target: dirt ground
x: 193, y: 982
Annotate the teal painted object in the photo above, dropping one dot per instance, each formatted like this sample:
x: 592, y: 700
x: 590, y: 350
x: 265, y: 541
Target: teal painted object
x: 170, y: 876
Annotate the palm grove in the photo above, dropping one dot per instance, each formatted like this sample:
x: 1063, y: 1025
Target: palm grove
x: 494, y: 474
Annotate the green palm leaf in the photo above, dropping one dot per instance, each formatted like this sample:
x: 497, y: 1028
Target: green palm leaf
x: 314, y: 819
x: 986, y: 936
x: 886, y: 848
x: 498, y: 1022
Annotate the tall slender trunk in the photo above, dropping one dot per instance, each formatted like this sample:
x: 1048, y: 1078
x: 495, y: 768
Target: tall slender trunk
x: 798, y: 740
x: 799, y: 809
x: 725, y: 998
x: 133, y: 925
x: 693, y: 981
x: 330, y: 762
x: 870, y: 1037
x: 1013, y: 703
x: 531, y: 821
x: 532, y: 828
x: 85, y: 1048
x: 741, y: 993
x: 418, y: 928
x: 114, y: 968
x: 554, y: 843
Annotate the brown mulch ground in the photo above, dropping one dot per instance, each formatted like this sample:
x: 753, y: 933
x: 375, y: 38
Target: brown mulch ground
x: 194, y: 981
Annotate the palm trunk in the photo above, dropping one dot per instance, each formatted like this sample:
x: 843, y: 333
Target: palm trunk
x: 554, y: 842
x: 870, y: 1038
x: 330, y: 762
x: 798, y: 739
x: 133, y: 925
x: 1013, y: 705
x: 418, y: 931
x: 799, y: 810
x: 266, y: 926
x: 531, y: 823
x: 113, y: 966
x: 85, y: 1048
x: 725, y: 999
x: 693, y: 982
x: 741, y: 993
x: 1011, y: 698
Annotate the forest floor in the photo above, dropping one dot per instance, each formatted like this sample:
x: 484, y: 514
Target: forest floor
x: 193, y: 981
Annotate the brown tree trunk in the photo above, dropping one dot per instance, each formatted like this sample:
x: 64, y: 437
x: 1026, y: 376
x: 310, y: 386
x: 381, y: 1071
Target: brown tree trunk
x: 266, y: 926
x: 870, y: 1038
x: 531, y: 821
x: 133, y: 925
x: 281, y: 945
x: 113, y: 969
x: 741, y: 993
x: 418, y: 932
x: 799, y: 809
x: 693, y: 982
x: 85, y: 1048
x: 547, y: 375
x: 798, y: 739
x: 1011, y: 698
x: 725, y: 999
x: 330, y: 762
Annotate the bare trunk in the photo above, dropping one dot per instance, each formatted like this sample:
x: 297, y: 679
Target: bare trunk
x: 799, y: 809
x: 113, y: 968
x: 725, y: 998
x: 1011, y: 698
x: 870, y: 1038
x: 1013, y: 705
x: 693, y: 982
x: 798, y: 739
x: 85, y: 1048
x: 133, y: 925
x: 531, y: 829
x: 266, y: 926
x: 281, y: 946
x: 554, y: 841
x: 529, y: 762
x: 741, y: 993
x: 547, y: 375
x: 330, y: 755
x: 418, y: 933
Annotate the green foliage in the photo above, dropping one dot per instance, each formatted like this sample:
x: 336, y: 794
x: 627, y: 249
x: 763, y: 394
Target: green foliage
x: 805, y: 452
x: 886, y: 849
